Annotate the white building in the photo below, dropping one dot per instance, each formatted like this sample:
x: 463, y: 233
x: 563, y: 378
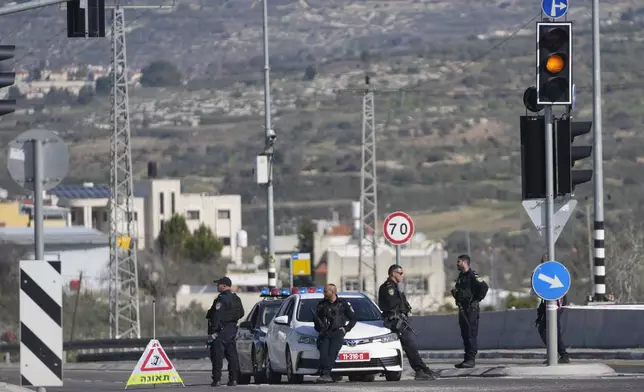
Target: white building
x: 156, y: 200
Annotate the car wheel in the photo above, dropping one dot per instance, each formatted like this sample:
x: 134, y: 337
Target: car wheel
x: 271, y: 376
x: 336, y: 377
x: 393, y: 376
x: 292, y: 377
x: 368, y: 377
x: 355, y: 377
x: 261, y: 374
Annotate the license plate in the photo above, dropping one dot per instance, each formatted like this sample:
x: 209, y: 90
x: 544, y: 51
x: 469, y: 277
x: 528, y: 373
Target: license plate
x: 353, y: 357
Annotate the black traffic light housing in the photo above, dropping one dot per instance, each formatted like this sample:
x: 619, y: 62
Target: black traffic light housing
x: 533, y: 157
x: 567, y: 154
x: 554, y: 63
x: 95, y: 19
x: 7, y: 79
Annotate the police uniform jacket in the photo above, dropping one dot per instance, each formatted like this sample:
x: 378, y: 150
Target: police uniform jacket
x: 470, y: 288
x: 331, y: 316
x: 391, y: 300
x: 226, y: 309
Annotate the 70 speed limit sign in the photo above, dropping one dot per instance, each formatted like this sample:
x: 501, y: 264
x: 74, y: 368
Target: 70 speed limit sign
x: 398, y: 228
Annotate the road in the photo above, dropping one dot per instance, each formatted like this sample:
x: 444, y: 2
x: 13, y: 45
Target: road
x: 114, y: 380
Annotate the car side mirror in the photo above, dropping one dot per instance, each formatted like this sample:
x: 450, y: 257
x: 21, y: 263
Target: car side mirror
x: 246, y: 325
x: 282, y: 320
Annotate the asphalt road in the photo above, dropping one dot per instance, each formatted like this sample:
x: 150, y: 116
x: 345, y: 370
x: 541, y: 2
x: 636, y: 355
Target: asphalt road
x: 632, y: 379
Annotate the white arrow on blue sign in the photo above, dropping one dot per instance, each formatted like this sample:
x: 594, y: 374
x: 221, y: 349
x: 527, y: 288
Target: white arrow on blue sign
x: 551, y: 281
x: 554, y: 9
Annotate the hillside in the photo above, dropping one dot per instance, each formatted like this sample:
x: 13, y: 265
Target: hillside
x: 448, y: 148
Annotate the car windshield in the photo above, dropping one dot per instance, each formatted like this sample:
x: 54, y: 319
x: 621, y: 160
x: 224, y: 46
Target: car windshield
x: 364, y: 308
x: 270, y: 308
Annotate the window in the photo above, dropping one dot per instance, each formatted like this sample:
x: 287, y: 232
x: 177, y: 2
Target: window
x: 416, y: 285
x: 225, y: 241
x: 252, y: 316
x: 351, y: 284
x: 105, y: 217
x: 192, y: 215
x: 223, y: 214
x: 365, y: 309
x: 268, y: 313
x: 172, y: 203
x: 162, y: 224
x: 161, y: 203
x: 136, y: 216
x: 285, y: 306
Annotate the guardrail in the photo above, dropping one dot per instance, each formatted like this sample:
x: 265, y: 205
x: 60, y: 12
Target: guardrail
x: 583, y: 328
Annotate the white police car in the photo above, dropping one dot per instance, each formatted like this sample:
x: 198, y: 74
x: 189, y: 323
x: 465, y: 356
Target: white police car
x: 369, y: 348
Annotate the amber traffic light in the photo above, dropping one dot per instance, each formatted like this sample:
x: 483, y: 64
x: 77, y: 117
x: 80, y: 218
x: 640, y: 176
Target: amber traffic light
x: 554, y: 63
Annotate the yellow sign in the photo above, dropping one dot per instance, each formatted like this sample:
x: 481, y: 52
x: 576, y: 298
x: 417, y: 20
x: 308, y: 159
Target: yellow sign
x: 123, y: 241
x: 301, y: 264
x: 154, y: 367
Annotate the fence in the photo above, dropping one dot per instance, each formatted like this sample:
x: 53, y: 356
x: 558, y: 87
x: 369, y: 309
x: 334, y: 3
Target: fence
x: 583, y: 327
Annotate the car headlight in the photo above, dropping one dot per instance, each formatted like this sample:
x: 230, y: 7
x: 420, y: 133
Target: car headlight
x: 390, y: 337
x: 306, y: 339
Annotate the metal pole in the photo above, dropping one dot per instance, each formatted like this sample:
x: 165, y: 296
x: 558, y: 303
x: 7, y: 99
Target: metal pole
x: 551, y: 306
x: 86, y: 18
x: 598, y: 155
x: 589, y: 235
x: 272, y: 278
x: 154, y: 319
x: 290, y: 273
x: 39, y: 243
x: 397, y: 254
x: 468, y: 243
x: 12, y: 9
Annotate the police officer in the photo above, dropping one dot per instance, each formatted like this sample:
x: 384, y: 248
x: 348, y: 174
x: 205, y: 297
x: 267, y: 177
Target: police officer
x: 541, y: 323
x: 222, y: 317
x: 469, y: 290
x: 334, y: 318
x: 395, y: 310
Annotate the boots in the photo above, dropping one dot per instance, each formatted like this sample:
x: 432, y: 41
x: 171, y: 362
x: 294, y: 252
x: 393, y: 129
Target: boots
x: 468, y: 363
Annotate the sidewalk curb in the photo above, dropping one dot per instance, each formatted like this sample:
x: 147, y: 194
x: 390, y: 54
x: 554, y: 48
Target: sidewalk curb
x: 624, y: 355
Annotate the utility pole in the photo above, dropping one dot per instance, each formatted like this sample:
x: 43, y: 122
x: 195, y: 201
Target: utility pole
x: 269, y: 140
x: 123, y: 236
x: 599, y: 233
x: 368, y: 193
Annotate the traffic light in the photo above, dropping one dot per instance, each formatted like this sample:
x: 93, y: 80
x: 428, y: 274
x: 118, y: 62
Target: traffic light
x: 554, y: 63
x: 533, y: 157
x: 95, y: 18
x: 567, y: 155
x: 7, y: 79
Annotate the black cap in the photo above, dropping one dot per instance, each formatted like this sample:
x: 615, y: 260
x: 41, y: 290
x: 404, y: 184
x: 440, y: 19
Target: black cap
x: 225, y: 281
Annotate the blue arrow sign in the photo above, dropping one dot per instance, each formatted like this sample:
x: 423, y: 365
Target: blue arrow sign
x: 551, y: 280
x: 554, y: 9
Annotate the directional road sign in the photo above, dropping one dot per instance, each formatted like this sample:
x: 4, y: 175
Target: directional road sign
x: 554, y: 9
x: 551, y: 280
x: 536, y: 210
x: 398, y: 228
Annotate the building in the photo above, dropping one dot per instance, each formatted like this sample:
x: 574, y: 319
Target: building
x: 19, y: 213
x: 156, y: 200
x: 425, y: 278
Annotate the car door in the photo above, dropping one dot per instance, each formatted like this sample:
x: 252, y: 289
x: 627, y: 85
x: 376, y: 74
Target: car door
x: 245, y: 339
x: 278, y: 334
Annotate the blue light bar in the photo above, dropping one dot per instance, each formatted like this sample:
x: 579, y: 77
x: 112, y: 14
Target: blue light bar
x: 286, y: 292
x: 265, y: 291
x: 304, y: 290
x: 319, y: 290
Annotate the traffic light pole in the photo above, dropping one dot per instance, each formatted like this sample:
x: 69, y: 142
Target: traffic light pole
x: 599, y: 235
x: 551, y: 306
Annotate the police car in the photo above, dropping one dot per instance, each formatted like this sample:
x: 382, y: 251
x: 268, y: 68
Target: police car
x: 369, y: 348
x: 251, y: 334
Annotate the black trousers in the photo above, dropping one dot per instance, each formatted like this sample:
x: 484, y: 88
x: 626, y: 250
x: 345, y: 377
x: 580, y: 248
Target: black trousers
x: 409, y: 346
x: 329, y: 346
x: 468, y: 320
x: 542, y: 327
x: 225, y: 346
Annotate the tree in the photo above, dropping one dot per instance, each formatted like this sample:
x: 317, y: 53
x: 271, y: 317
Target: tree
x: 103, y: 85
x: 310, y: 72
x: 625, y: 253
x: 85, y: 95
x: 10, y: 256
x: 160, y: 73
x: 174, y: 235
x: 203, y: 246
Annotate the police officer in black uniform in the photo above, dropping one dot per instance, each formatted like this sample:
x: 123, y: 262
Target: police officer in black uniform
x: 541, y: 323
x: 469, y: 290
x: 334, y: 318
x: 395, y: 311
x: 222, y: 317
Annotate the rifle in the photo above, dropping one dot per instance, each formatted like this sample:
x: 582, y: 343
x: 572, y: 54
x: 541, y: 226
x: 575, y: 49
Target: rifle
x: 316, y: 318
x: 406, y: 325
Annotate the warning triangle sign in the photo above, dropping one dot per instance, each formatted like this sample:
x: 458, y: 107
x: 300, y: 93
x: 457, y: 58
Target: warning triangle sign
x: 154, y: 367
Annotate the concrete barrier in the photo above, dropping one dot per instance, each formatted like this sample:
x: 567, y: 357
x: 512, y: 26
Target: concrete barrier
x: 583, y: 328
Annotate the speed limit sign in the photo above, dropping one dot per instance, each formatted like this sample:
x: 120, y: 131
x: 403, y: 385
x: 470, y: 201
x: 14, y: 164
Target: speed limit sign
x: 398, y: 228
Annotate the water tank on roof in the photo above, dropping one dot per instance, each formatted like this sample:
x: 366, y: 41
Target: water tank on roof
x: 242, y: 238
x: 152, y: 169
x: 3, y: 193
